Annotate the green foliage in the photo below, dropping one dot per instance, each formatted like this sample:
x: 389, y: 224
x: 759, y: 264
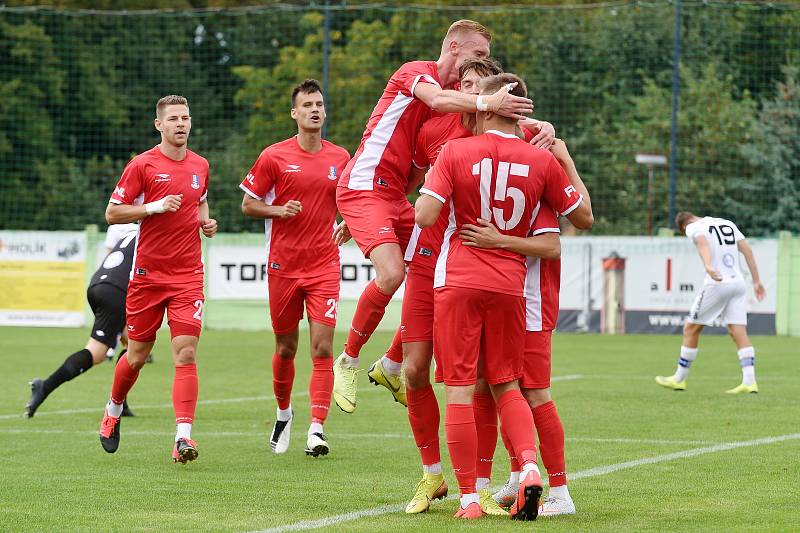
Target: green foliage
x: 77, y: 93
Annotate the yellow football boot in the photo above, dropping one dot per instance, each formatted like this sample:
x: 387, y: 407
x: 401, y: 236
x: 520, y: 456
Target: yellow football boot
x: 752, y: 389
x: 670, y: 383
x: 489, y: 506
x: 430, y: 487
x: 344, y: 385
x: 378, y: 376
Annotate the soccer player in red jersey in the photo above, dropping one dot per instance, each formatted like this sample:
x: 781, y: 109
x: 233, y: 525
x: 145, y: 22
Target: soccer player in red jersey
x: 418, y: 302
x: 479, y: 304
x: 372, y: 191
x: 166, y: 188
x: 542, y: 284
x: 292, y: 186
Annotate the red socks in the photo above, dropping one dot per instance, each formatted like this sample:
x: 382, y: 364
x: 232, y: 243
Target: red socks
x: 369, y: 312
x: 512, y: 456
x: 551, y: 442
x: 184, y: 393
x: 282, y: 379
x: 124, y: 378
x: 462, y: 442
x: 423, y: 415
x: 517, y: 421
x: 320, y: 388
x: 486, y: 426
x: 395, y: 351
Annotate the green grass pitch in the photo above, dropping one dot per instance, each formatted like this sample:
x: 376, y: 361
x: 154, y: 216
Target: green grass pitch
x: 641, y: 457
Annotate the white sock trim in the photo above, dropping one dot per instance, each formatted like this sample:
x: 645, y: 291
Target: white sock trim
x: 284, y: 415
x: 435, y: 468
x: 391, y: 367
x: 114, y: 409
x: 467, y: 499
x: 482, y: 482
x: 315, y: 427
x: 349, y: 362
x: 183, y: 430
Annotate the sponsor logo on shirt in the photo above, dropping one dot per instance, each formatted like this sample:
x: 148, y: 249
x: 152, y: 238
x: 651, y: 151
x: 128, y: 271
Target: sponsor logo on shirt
x: 427, y: 252
x: 384, y: 230
x: 332, y: 173
x: 195, y: 181
x: 728, y: 260
x: 382, y: 182
x: 141, y: 272
x: 250, y: 178
x: 162, y: 177
x: 293, y: 168
x: 120, y: 191
x: 275, y: 266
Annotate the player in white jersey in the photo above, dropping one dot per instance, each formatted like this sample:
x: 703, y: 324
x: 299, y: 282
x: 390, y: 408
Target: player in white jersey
x: 723, y: 295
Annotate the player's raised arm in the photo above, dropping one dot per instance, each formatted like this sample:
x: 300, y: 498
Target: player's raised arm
x: 750, y: 258
x: 449, y: 101
x: 581, y: 216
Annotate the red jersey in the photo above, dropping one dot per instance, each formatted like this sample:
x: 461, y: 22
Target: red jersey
x: 168, y: 248
x: 301, y: 245
x: 425, y: 244
x: 501, y: 178
x: 542, y: 278
x: 383, y: 160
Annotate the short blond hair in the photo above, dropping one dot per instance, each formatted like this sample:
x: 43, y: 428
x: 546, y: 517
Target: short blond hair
x: 463, y: 26
x: 170, y: 99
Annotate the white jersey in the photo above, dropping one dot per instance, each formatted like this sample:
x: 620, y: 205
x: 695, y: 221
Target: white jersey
x: 722, y: 236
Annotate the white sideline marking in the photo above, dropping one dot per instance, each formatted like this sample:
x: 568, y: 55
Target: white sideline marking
x: 598, y: 471
x: 98, y: 409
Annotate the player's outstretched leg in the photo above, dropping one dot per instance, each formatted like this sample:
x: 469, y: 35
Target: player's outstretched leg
x: 386, y: 371
x: 462, y: 442
x: 282, y: 381
x: 390, y: 272
x: 423, y: 416
x: 691, y: 336
x: 320, y: 389
x: 73, y: 366
x: 125, y: 375
x: 747, y: 360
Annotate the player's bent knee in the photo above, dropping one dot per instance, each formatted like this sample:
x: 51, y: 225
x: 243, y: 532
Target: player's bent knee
x: 388, y: 282
x: 417, y: 374
x: 186, y: 355
x: 322, y: 349
x: 536, y: 397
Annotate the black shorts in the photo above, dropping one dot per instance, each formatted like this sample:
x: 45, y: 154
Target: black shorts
x: 108, y: 305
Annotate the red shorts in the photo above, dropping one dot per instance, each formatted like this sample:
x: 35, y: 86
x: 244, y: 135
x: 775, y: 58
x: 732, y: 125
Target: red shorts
x: 286, y: 296
x: 416, y: 320
x: 373, y: 219
x: 146, y: 302
x: 536, y: 364
x: 469, y: 323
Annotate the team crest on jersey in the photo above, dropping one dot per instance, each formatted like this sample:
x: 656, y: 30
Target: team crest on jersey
x: 195, y: 181
x: 275, y: 266
x: 332, y: 173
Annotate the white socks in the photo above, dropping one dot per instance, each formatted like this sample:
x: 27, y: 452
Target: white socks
x: 467, y: 499
x: 688, y: 355
x: 349, y: 362
x: 528, y: 467
x: 482, y: 482
x: 114, y: 409
x: 747, y: 359
x: 315, y: 427
x: 391, y: 367
x: 435, y: 468
x: 183, y: 430
x: 284, y: 415
x: 560, y: 492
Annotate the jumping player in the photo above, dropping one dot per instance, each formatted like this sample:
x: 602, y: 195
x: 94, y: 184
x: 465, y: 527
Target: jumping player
x: 292, y: 186
x: 372, y: 192
x: 166, y: 188
x: 719, y: 243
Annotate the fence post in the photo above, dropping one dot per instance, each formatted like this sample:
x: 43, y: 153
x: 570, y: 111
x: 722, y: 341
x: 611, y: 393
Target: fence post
x: 676, y: 90
x: 326, y: 54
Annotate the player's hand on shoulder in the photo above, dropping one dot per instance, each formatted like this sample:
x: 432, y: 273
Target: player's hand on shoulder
x: 760, y: 291
x: 209, y: 227
x: 341, y: 233
x: 546, y: 135
x: 291, y: 208
x: 559, y: 150
x: 482, y: 235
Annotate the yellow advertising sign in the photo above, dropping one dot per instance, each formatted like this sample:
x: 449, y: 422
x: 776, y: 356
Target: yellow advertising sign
x: 42, y: 285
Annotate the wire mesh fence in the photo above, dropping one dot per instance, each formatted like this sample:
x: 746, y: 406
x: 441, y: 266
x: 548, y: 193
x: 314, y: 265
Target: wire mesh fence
x: 78, y: 90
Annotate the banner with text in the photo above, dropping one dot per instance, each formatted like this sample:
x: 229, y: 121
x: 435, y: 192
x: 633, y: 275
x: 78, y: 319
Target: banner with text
x: 42, y: 278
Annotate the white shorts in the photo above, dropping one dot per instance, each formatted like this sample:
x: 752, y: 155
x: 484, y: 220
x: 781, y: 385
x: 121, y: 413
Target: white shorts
x: 720, y: 300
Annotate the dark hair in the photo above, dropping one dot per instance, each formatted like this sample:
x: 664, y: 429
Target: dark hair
x: 307, y: 87
x: 485, y: 67
x: 492, y: 84
x: 682, y: 220
x: 171, y: 99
